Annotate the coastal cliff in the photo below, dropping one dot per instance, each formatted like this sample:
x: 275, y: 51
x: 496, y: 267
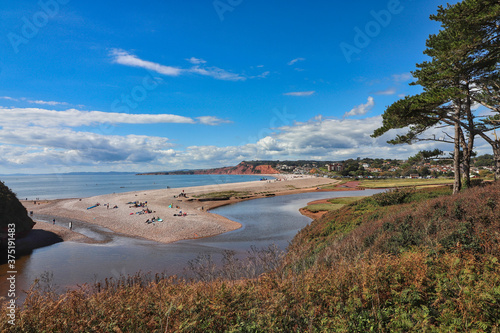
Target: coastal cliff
x: 244, y: 168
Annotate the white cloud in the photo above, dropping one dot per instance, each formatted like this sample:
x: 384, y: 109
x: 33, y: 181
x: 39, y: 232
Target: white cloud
x: 24, y: 99
x: 9, y: 98
x: 325, y: 139
x: 66, y: 147
x: 42, y: 148
x: 124, y: 58
x: 361, y: 109
x: 217, y: 73
x: 291, y: 62
x: 196, y: 61
x: 24, y: 117
x: 300, y: 93
x: 51, y: 103
x: 210, y: 120
x: 389, y: 91
x: 402, y: 77
x: 73, y: 118
x: 261, y: 76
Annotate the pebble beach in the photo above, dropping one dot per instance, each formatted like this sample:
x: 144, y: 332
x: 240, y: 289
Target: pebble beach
x: 183, y: 215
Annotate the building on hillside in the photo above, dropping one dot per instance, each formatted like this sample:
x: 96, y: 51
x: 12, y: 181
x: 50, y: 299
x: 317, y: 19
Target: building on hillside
x: 285, y: 167
x: 335, y: 167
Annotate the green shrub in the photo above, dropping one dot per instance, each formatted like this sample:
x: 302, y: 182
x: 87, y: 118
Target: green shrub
x: 393, y: 197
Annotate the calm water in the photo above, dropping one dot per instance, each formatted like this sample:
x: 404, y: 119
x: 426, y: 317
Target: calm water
x: 63, y: 186
x: 274, y: 220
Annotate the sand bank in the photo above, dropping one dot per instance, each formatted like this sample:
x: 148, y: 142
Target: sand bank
x: 196, y: 220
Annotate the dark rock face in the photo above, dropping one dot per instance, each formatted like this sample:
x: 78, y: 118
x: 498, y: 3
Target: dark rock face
x: 12, y: 212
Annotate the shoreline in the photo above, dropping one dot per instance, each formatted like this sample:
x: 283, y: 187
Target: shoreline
x: 198, y: 222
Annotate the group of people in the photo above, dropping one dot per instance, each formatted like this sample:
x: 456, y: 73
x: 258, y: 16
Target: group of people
x: 153, y: 220
x: 145, y: 211
x: 180, y: 214
x: 138, y: 204
x: 181, y: 195
x: 70, y: 225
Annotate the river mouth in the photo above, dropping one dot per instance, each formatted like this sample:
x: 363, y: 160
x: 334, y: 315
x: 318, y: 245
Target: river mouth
x: 267, y: 221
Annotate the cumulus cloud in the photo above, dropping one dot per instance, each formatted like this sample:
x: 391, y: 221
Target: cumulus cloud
x: 319, y: 138
x: 361, y: 109
x: 68, y: 147
x: 123, y: 57
x: 73, y: 118
x: 300, y: 93
x: 324, y: 139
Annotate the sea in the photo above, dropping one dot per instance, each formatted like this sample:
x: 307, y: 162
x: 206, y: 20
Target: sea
x: 64, y: 186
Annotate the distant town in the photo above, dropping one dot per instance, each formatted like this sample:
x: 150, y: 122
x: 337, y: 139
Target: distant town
x: 422, y: 165
x: 415, y: 167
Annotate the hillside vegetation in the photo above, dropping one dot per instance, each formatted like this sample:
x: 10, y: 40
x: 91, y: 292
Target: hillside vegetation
x: 12, y: 211
x: 403, y: 261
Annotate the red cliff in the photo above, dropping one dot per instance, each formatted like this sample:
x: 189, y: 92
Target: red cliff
x: 241, y: 169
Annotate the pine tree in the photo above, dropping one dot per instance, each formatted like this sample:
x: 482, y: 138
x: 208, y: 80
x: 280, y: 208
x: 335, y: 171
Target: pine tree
x: 463, y: 70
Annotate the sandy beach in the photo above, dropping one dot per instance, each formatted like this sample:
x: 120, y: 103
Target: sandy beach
x: 193, y: 220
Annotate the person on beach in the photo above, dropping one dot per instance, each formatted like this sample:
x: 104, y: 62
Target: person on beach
x: 70, y: 225
x: 53, y: 221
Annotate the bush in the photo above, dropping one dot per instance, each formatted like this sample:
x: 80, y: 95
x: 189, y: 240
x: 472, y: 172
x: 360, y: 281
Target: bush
x: 393, y: 197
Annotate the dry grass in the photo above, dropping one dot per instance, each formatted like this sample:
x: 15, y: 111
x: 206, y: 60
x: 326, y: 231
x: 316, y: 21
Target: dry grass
x: 390, y: 183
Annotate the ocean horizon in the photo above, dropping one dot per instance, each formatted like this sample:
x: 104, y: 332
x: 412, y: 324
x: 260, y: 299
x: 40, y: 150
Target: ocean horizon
x: 81, y: 185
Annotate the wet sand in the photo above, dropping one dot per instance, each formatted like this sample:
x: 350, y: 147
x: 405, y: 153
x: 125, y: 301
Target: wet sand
x: 196, y: 220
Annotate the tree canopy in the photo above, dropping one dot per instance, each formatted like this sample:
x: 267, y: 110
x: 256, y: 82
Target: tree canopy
x: 463, y: 71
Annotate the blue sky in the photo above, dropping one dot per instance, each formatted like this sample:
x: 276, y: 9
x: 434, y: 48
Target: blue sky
x: 164, y: 85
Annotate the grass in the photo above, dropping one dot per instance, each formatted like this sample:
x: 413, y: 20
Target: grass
x: 333, y: 186
x: 222, y: 194
x: 345, y: 200
x: 333, y: 204
x: 388, y: 183
x: 323, y: 207
x: 408, y: 261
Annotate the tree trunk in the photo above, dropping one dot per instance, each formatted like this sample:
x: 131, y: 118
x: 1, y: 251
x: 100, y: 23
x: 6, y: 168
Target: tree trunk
x: 457, y: 184
x: 468, y: 145
x: 496, y: 158
x: 466, y: 166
